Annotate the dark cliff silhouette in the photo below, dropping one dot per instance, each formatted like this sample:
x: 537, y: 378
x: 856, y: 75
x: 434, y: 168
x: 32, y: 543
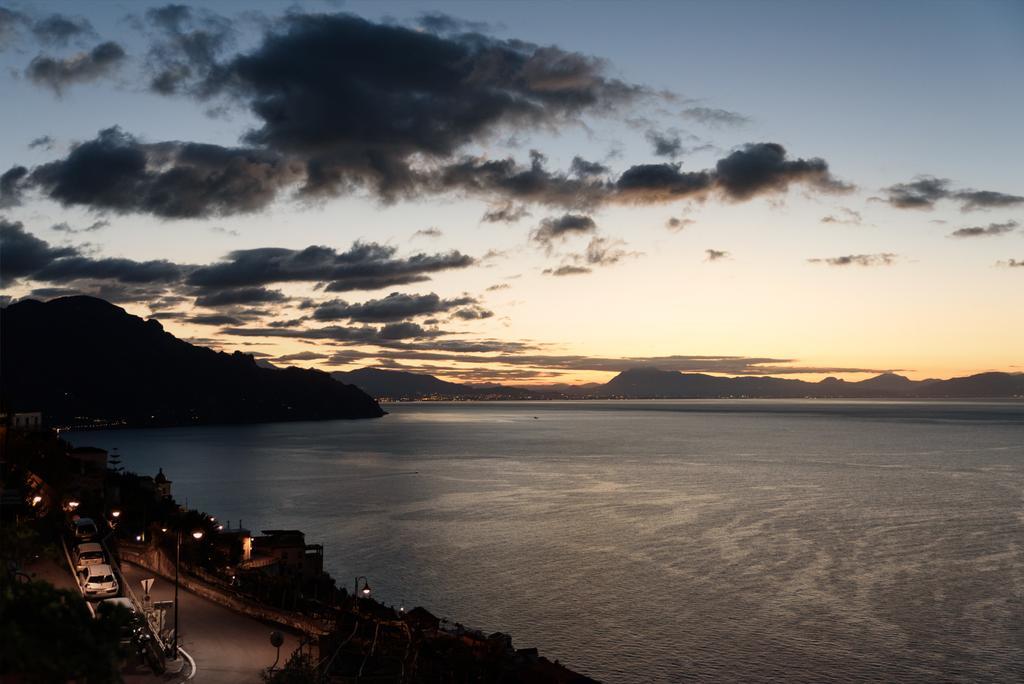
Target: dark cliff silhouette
x: 82, y: 359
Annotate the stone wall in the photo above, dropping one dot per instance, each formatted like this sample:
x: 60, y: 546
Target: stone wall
x: 156, y: 561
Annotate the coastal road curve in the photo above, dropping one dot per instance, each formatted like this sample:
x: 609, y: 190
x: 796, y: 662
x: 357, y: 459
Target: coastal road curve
x: 228, y: 648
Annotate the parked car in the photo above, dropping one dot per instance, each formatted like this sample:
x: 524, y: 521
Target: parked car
x: 98, y: 581
x: 84, y: 529
x: 88, y: 553
x: 134, y: 629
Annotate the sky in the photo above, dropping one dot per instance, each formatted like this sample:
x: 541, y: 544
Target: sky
x: 529, y: 193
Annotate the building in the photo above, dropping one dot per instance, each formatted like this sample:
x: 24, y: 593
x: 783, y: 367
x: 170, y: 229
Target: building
x: 27, y: 421
x: 291, y: 552
x: 162, y: 485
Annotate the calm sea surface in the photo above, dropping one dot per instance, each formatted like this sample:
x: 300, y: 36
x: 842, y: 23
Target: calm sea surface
x: 658, y: 541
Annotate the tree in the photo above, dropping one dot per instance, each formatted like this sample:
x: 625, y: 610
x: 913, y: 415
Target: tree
x: 48, y: 635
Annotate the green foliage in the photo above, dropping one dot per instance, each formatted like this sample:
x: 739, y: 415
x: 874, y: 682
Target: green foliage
x: 298, y: 670
x: 48, y: 635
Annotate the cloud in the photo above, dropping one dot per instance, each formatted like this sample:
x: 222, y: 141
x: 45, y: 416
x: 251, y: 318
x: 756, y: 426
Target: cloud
x: 214, y: 319
x: 1011, y: 263
x: 846, y: 216
x: 336, y: 90
x: 556, y: 229
x: 764, y: 167
x: 301, y: 356
x: 10, y: 21
x: 58, y: 29
x: 364, y: 266
x: 665, y: 144
x: 63, y: 227
x: 395, y: 307
x: 43, y: 141
x: 603, y: 251
x: 715, y: 254
x: 172, y: 179
x: 985, y: 231
x: 925, y: 191
x: 881, y: 259
x: 23, y: 254
x: 505, y: 212
x: 11, y: 183
x: 428, y: 233
x: 567, y: 270
x: 584, y: 169
x: 188, y: 45
x: 241, y: 295
x: 498, y: 286
x: 715, y: 117
x: 473, y: 313
x: 662, y: 183
x: 58, y: 74
x: 71, y: 268
x: 677, y: 224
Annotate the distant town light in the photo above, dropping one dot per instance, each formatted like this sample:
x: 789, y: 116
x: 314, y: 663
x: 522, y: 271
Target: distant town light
x: 138, y: 537
x: 73, y: 504
x: 163, y: 529
x: 220, y: 527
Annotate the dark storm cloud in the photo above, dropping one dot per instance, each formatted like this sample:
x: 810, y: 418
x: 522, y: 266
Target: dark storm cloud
x: 665, y: 144
x: 395, y: 307
x: 660, y: 183
x: 22, y: 254
x: 11, y: 183
x: 715, y: 254
x: 556, y: 229
x: 58, y: 29
x: 337, y: 91
x: 764, y: 167
x: 566, y: 270
x: 172, y: 179
x: 57, y: 73
x: 714, y: 117
x: 365, y: 266
x: 925, y: 191
x: 990, y: 230
x: 583, y: 168
x: 240, y: 295
x: 122, y: 270
x: 881, y: 259
x: 43, y: 141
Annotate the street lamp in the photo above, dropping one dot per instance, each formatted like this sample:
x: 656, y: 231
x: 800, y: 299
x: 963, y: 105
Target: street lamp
x: 365, y: 593
x: 116, y: 513
x: 197, y: 535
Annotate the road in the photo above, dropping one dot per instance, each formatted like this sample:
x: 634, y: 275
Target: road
x: 228, y: 648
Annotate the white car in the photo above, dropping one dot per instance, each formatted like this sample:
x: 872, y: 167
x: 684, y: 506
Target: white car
x: 98, y: 581
x: 89, y: 553
x: 85, y: 529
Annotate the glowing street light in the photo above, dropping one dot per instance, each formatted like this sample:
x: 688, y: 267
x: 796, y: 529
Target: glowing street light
x: 365, y: 592
x: 198, y: 534
x: 116, y: 513
x: 36, y: 500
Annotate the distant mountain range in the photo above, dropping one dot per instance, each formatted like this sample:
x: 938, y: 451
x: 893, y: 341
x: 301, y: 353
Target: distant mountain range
x: 652, y: 383
x: 81, y: 360
x: 392, y: 384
